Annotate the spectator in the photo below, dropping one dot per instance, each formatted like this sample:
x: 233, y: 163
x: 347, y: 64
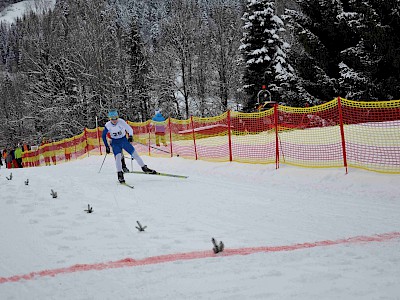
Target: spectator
x: 18, y: 156
x: 9, y: 159
x: 14, y: 160
x: 4, y: 154
x: 25, y: 147
x: 159, y: 129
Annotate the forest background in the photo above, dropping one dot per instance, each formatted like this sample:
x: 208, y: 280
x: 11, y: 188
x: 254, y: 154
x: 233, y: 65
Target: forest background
x: 65, y: 63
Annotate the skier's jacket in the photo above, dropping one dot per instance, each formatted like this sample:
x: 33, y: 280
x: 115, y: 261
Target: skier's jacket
x: 117, y: 131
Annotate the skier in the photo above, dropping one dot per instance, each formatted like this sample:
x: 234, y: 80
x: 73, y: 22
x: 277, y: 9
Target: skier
x: 118, y: 129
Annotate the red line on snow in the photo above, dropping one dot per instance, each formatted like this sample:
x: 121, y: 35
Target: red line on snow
x: 130, y: 262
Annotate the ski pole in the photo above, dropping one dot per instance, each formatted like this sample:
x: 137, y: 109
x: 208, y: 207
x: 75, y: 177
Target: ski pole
x: 103, y: 162
x: 155, y: 148
x: 132, y: 164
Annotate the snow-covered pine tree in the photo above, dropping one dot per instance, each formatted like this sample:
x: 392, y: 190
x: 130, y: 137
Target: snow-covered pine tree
x: 316, y: 28
x: 370, y: 70
x: 264, y: 53
x: 11, y: 110
x: 349, y: 48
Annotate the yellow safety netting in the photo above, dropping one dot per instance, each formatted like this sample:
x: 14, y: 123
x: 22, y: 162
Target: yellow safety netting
x: 339, y: 133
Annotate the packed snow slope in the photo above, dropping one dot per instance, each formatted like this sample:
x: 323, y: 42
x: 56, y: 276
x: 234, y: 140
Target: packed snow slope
x: 290, y: 233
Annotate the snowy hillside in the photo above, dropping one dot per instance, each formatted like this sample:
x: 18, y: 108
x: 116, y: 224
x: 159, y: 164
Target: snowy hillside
x: 16, y: 10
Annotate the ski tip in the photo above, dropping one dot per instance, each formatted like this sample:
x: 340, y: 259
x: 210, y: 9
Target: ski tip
x: 126, y: 184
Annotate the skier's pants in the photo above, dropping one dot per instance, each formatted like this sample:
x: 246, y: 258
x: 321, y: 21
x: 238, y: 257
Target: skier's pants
x: 122, y: 144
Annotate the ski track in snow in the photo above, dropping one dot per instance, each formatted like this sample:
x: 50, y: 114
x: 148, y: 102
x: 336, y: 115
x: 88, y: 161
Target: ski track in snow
x: 52, y: 249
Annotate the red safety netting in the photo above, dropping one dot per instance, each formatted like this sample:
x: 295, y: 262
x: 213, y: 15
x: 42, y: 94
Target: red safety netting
x: 340, y: 133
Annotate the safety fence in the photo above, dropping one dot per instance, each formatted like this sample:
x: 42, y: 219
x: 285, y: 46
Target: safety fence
x: 339, y: 133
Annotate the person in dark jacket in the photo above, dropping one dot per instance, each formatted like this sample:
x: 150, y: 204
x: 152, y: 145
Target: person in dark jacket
x: 9, y: 159
x: 14, y: 160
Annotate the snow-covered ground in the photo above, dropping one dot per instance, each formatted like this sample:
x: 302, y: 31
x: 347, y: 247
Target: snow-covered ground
x: 290, y: 233
x: 17, y: 10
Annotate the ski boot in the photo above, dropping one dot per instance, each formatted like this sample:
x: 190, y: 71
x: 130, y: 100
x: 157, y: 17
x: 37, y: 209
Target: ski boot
x: 124, y: 168
x: 121, y: 177
x: 147, y: 170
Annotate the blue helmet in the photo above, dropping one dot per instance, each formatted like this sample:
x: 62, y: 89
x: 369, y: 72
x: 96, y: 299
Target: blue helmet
x: 113, y: 114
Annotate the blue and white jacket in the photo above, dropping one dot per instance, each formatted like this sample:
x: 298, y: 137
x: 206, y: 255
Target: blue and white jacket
x: 117, y: 131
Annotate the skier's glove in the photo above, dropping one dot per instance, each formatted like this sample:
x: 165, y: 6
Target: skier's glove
x: 130, y: 139
x: 108, y: 151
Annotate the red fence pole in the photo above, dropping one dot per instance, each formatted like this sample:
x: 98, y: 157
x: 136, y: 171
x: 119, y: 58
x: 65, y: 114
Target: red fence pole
x: 229, y: 135
x: 276, y: 136
x: 342, y: 133
x: 194, y: 137
x: 53, y: 154
x: 87, y: 144
x: 75, y: 145
x: 170, y: 136
x: 148, y: 129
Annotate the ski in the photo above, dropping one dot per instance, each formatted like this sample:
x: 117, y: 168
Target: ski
x: 126, y: 184
x: 160, y: 174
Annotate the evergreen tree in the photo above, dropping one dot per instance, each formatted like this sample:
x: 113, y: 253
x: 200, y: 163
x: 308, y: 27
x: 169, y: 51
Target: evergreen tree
x: 349, y: 48
x: 370, y: 70
x: 315, y: 25
x: 264, y: 53
x: 13, y: 125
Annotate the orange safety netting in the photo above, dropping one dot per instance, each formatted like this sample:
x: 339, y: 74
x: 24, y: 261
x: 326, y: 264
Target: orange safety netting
x: 340, y: 133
